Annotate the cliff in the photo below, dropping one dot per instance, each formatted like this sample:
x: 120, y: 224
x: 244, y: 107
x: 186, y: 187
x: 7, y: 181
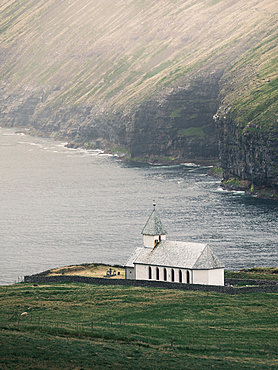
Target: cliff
x: 247, y: 120
x: 146, y: 78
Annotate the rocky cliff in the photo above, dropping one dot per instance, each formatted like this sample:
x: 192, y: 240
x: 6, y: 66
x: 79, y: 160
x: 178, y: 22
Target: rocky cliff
x: 146, y: 78
x: 247, y: 120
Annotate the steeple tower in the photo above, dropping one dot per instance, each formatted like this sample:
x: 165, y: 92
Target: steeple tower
x: 153, y: 231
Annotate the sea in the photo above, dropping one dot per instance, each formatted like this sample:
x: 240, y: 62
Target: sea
x: 61, y: 206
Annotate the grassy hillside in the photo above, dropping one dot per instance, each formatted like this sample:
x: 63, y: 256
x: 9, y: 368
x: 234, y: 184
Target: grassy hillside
x: 135, y: 327
x: 145, y: 78
x: 115, y: 54
x: 251, y: 88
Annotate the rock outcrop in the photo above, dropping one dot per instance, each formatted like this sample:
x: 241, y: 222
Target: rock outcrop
x: 248, y: 153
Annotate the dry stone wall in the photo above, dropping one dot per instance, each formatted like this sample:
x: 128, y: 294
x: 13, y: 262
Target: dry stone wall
x: 262, y: 286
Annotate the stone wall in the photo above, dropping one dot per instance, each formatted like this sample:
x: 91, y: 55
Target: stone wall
x: 263, y: 286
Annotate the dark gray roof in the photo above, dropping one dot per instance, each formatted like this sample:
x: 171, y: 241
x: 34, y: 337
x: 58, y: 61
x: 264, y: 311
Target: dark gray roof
x: 154, y: 225
x: 179, y: 254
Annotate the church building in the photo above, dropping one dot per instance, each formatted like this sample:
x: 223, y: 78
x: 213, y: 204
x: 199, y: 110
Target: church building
x: 174, y: 261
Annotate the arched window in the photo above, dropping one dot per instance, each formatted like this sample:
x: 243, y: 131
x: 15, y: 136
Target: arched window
x: 165, y: 274
x: 173, y: 275
x: 157, y: 273
x: 150, y: 272
x: 187, y: 277
x: 180, y: 276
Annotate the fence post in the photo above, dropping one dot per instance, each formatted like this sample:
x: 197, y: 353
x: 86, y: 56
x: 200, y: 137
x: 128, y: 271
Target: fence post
x: 92, y: 326
x: 171, y: 342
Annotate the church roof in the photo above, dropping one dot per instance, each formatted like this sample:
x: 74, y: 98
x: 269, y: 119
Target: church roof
x: 154, y: 225
x: 134, y: 255
x: 180, y: 255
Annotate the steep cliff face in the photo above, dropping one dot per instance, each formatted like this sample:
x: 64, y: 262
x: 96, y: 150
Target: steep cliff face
x: 247, y: 121
x: 180, y: 125
x: 248, y: 153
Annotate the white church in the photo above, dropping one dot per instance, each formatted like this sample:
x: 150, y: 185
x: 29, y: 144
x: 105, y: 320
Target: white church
x: 179, y: 262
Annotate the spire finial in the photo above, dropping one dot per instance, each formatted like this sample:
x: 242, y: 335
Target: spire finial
x: 154, y: 203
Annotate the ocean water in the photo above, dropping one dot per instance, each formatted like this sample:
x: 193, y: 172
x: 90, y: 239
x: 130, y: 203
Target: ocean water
x: 60, y: 207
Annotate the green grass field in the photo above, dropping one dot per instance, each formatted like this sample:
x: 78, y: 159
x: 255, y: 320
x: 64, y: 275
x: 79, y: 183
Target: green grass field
x: 260, y: 273
x: 79, y: 326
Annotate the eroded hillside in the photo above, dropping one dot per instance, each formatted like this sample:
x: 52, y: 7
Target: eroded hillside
x: 145, y: 77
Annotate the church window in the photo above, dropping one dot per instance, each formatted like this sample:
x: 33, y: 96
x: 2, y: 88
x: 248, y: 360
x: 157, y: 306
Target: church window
x: 187, y: 277
x: 165, y: 274
x: 157, y: 273
x: 150, y: 272
x: 180, y: 276
x: 173, y: 275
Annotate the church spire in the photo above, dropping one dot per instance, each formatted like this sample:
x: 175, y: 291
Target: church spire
x: 154, y: 225
x: 153, y: 231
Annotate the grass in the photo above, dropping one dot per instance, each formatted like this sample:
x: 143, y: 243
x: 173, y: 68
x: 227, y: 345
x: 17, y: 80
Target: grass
x: 90, y: 270
x: 265, y: 273
x: 135, y: 327
x: 192, y: 131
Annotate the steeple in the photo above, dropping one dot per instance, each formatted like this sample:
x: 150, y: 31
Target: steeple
x: 153, y: 231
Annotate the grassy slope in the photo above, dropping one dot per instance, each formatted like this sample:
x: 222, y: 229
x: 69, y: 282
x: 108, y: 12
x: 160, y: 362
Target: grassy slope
x: 116, y: 54
x: 265, y: 273
x: 251, y: 88
x: 90, y: 270
x: 221, y: 331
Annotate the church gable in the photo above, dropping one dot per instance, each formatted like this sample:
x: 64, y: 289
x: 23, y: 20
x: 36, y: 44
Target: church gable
x: 207, y: 260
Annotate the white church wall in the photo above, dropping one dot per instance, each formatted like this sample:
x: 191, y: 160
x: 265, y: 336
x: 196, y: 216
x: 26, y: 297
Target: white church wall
x: 130, y: 273
x: 148, y: 240
x: 142, y: 272
x: 216, y: 277
x: 200, y: 277
x: 172, y: 274
x: 209, y: 277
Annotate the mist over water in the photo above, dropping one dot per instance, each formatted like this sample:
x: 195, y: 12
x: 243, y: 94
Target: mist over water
x: 60, y: 207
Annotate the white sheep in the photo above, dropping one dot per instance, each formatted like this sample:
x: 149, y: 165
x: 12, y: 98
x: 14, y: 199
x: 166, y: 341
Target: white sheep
x: 24, y: 314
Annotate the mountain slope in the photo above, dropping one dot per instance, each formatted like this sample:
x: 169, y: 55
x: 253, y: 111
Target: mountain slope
x: 146, y: 76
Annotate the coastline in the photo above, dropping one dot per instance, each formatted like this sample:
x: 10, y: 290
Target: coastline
x: 235, y: 184
x: 231, y: 184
